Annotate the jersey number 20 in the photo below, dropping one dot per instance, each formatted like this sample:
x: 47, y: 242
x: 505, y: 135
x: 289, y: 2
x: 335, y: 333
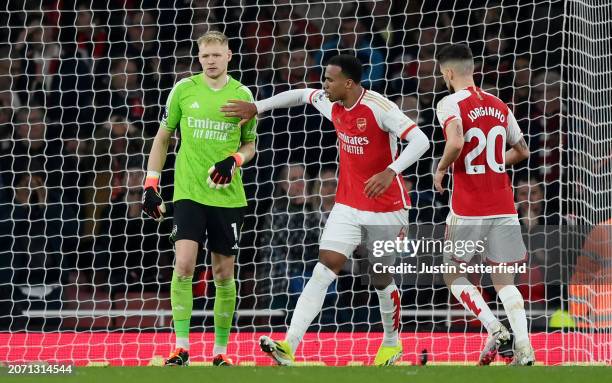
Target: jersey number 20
x: 485, y: 142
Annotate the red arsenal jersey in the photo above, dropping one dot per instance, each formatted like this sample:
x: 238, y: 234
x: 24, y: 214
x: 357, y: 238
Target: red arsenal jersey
x: 367, y: 136
x: 481, y: 186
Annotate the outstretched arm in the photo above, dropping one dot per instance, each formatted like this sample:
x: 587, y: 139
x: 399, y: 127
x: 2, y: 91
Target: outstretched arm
x: 247, y: 110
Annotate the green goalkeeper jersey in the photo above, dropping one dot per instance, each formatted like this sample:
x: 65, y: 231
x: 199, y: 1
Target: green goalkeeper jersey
x: 206, y: 138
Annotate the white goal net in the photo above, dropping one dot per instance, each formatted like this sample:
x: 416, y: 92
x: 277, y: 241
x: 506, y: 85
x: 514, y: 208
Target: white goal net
x: 85, y: 277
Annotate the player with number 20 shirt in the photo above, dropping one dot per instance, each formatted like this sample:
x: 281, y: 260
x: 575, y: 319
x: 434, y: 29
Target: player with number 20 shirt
x: 477, y: 127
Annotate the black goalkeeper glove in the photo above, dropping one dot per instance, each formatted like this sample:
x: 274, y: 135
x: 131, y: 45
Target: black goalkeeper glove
x: 220, y: 174
x: 152, y: 203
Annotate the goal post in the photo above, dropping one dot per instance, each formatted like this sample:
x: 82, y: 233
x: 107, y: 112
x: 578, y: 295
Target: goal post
x: 588, y: 88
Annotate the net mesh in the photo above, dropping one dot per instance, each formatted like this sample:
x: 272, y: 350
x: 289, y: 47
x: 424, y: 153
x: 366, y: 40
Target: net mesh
x: 84, y: 277
x: 588, y: 86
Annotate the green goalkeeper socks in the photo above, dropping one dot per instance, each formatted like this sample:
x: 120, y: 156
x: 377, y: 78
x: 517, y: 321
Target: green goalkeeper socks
x: 225, y: 303
x: 181, y: 298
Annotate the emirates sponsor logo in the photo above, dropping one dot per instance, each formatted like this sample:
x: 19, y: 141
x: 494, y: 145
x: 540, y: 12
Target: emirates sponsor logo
x: 210, y: 129
x: 352, y: 144
x: 353, y: 140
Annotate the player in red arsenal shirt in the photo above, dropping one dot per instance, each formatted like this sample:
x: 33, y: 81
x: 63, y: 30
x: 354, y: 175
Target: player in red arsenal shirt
x: 371, y: 195
x: 478, y: 126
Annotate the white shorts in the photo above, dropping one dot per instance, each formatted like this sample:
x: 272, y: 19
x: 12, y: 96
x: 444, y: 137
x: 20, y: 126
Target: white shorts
x: 347, y: 227
x: 501, y: 239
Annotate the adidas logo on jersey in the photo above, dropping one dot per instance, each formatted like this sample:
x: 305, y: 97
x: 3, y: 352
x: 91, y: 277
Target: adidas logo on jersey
x: 195, y: 105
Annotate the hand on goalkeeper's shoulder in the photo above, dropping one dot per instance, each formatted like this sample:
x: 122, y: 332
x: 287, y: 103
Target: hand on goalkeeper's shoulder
x: 239, y: 108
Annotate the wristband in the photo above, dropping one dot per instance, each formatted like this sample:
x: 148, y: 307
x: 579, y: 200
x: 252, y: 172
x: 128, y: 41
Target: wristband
x: 152, y: 180
x: 239, y: 157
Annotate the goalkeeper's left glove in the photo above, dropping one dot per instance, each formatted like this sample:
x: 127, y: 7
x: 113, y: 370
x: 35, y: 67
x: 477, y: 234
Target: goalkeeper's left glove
x: 220, y: 174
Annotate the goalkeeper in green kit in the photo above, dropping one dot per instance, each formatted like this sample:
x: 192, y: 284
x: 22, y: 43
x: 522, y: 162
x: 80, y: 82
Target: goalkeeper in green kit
x: 209, y: 199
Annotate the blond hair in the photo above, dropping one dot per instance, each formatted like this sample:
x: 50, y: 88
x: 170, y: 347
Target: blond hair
x: 212, y: 37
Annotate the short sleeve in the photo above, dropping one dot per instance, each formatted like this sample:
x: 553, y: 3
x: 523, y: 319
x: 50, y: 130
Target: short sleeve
x: 172, y: 110
x: 396, y: 122
x: 514, y: 133
x: 248, y: 130
x: 319, y: 100
x: 447, y: 111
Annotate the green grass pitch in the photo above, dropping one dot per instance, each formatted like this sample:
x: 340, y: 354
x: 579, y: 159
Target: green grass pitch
x: 451, y: 374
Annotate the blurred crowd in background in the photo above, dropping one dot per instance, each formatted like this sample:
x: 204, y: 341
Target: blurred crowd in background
x: 83, y: 85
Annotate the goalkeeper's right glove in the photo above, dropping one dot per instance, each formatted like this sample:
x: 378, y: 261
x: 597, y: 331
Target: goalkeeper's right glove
x: 152, y: 203
x: 220, y: 174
